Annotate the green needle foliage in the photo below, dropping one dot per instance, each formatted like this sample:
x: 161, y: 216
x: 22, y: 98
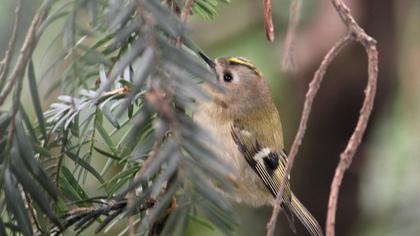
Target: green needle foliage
x: 127, y: 95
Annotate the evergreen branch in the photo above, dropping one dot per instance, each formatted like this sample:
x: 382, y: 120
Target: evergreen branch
x: 153, y: 76
x: 84, y: 216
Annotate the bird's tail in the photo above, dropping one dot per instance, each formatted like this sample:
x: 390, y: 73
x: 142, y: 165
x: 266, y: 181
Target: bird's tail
x: 305, y: 217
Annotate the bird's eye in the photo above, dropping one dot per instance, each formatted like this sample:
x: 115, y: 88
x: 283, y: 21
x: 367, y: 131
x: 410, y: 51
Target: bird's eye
x: 227, y: 77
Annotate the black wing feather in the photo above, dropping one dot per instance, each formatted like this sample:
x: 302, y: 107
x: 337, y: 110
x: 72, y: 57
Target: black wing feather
x: 270, y: 169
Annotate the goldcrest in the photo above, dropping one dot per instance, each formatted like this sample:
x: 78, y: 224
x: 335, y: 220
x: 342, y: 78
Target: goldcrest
x: 244, y: 121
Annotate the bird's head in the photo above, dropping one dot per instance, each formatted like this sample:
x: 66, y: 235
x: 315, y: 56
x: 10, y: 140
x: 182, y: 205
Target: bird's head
x: 244, y: 89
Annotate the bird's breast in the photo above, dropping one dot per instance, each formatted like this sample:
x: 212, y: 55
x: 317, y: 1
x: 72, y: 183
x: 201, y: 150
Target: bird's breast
x: 248, y: 187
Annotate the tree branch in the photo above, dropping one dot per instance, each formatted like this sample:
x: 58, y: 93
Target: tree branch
x: 131, y: 195
x: 310, y: 96
x: 268, y: 20
x: 25, y: 53
x: 346, y: 157
x: 355, y: 32
x: 5, y: 63
x: 156, y: 98
x: 83, y: 217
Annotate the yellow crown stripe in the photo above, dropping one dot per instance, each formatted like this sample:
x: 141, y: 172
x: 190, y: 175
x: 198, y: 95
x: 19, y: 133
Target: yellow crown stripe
x: 241, y: 61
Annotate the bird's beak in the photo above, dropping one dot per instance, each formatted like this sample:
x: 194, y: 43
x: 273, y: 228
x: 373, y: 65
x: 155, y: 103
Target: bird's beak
x: 207, y: 59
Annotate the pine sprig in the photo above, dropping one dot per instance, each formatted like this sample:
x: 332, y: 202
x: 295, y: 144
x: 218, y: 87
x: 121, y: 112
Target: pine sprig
x: 121, y: 91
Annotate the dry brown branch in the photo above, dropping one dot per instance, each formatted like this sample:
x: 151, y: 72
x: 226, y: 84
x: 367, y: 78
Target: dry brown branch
x: 288, y: 63
x: 25, y: 53
x: 5, y: 63
x: 346, y: 157
x: 355, y: 32
x: 268, y: 20
x: 310, y: 96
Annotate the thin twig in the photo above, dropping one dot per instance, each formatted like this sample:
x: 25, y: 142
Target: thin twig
x: 32, y: 211
x: 310, y: 96
x: 25, y: 53
x: 82, y: 216
x: 156, y: 98
x: 184, y: 16
x: 5, y: 63
x: 131, y: 195
x: 356, y: 33
x: 268, y: 20
x: 288, y: 63
x: 346, y: 157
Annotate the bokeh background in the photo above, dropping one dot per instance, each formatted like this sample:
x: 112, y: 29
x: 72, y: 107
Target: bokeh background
x: 380, y: 194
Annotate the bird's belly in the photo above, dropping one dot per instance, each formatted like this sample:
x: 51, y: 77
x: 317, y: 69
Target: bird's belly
x: 248, y: 188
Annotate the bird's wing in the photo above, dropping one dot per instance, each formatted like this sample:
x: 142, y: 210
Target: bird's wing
x: 268, y: 164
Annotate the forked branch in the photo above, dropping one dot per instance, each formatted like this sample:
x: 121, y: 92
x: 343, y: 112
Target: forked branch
x: 356, y: 33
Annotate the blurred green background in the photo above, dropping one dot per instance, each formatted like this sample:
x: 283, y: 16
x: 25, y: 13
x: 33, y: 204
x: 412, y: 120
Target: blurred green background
x: 381, y: 190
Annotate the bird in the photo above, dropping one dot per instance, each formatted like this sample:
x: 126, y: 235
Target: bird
x: 244, y: 121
